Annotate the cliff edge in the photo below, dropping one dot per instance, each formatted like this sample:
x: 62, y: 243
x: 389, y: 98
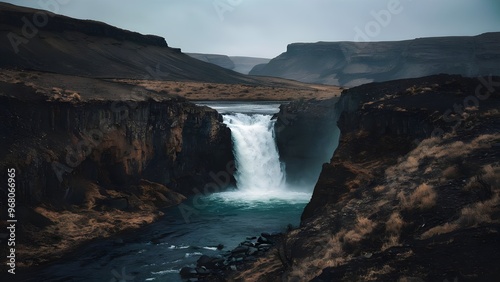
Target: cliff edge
x: 412, y: 192
x: 93, y: 157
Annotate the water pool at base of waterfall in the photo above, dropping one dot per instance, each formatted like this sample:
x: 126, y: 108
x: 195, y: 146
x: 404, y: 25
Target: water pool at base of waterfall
x: 158, y: 251
x: 261, y: 202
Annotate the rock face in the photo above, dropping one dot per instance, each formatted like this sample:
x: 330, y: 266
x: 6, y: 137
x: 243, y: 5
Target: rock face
x: 111, y: 142
x: 94, y: 49
x: 93, y: 161
x: 306, y: 135
x: 412, y: 192
x: 355, y: 63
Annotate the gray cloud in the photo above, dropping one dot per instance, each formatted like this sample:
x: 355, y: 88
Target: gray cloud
x: 263, y: 28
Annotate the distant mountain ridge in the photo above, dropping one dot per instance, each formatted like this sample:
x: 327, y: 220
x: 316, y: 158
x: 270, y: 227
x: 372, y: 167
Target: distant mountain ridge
x: 355, y: 63
x: 239, y: 64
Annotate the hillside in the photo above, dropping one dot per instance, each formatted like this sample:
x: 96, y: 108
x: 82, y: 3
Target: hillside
x: 412, y: 193
x: 95, y: 49
x: 355, y: 63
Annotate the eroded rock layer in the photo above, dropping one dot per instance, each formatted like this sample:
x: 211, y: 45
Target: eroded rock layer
x: 94, y: 157
x: 412, y: 193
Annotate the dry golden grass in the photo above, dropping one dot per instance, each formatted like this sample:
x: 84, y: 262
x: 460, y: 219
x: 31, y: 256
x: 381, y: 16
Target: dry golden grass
x: 202, y: 91
x: 423, y: 197
x: 391, y: 241
x: 394, y: 223
x: 70, y: 228
x: 450, y: 172
x: 364, y: 226
x: 441, y: 229
x: 373, y: 273
x: 330, y: 254
x: 379, y: 189
x: 473, y: 184
x: 437, y: 149
x: 492, y: 176
x: 477, y: 213
x: 266, y: 265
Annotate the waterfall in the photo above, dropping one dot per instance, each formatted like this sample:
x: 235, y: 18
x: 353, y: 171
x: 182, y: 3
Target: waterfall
x: 260, y: 176
x: 258, y: 168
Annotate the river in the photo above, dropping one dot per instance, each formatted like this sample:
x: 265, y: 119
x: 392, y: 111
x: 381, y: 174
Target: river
x: 260, y: 202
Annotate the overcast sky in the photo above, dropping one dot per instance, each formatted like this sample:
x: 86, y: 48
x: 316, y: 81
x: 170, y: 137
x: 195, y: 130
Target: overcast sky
x: 263, y: 28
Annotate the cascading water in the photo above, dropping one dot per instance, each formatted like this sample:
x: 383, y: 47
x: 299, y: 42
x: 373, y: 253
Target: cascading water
x: 259, y: 173
x: 257, y: 159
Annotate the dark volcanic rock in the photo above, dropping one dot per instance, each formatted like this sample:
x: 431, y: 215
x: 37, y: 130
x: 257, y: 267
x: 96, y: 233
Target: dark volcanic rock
x: 218, y: 268
x: 306, y: 136
x: 138, y: 142
x: 412, y: 192
x: 356, y: 63
x: 109, y: 154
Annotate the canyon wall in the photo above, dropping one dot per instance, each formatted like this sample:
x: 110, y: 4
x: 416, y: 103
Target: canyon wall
x: 412, y: 192
x: 93, y: 158
x: 355, y: 63
x: 306, y: 136
x: 114, y: 143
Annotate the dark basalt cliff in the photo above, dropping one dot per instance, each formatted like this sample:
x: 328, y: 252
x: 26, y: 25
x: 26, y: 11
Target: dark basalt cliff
x: 170, y: 142
x: 306, y: 134
x: 412, y: 192
x: 356, y: 63
x: 110, y: 159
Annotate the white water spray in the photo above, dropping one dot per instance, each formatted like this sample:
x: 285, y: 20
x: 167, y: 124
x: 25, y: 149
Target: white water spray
x: 259, y: 174
x: 257, y: 161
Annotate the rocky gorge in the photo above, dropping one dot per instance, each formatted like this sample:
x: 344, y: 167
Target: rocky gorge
x: 410, y: 194
x: 90, y: 164
x: 98, y: 126
x: 306, y: 135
